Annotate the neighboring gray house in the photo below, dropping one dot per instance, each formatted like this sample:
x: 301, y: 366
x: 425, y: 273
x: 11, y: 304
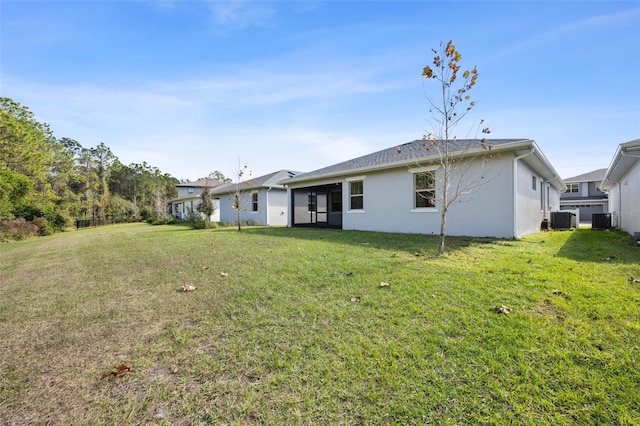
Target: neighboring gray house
x: 622, y: 181
x: 262, y: 200
x: 189, y: 198
x: 584, y: 193
x: 397, y: 190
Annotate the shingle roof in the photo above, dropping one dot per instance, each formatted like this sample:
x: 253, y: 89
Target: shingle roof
x: 265, y: 181
x: 201, y: 183
x: 593, y: 176
x: 417, y: 150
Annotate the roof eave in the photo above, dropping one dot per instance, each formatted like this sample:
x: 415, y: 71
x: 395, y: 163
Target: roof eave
x: 626, y: 156
x: 521, y: 144
x: 552, y: 176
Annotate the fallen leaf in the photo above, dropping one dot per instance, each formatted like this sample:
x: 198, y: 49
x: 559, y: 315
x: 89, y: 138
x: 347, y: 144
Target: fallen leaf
x: 608, y: 258
x: 205, y: 267
x: 634, y: 280
x: 501, y: 309
x: 188, y: 287
x: 383, y: 284
x: 117, y: 371
x: 224, y: 274
x: 355, y: 299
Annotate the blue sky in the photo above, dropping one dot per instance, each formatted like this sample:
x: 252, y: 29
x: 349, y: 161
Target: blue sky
x: 197, y: 86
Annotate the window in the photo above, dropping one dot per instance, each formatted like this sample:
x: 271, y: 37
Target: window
x: 572, y: 188
x: 425, y: 189
x: 534, y: 182
x: 192, y: 190
x: 254, y: 201
x: 356, y: 195
x: 311, y: 202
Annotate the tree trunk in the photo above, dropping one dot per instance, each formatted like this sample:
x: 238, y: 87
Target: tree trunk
x: 443, y: 226
x: 445, y: 203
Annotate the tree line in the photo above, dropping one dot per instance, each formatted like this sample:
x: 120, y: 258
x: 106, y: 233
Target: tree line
x: 46, y: 184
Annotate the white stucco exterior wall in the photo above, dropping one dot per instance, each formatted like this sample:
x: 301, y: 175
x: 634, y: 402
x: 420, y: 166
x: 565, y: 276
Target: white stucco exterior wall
x: 277, y: 207
x: 389, y: 198
x: 272, y: 207
x: 183, y: 208
x: 624, y: 201
x: 529, y: 202
x: 230, y: 215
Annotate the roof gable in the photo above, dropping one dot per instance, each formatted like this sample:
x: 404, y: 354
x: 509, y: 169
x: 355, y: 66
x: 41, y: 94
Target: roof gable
x: 201, y: 183
x: 270, y: 180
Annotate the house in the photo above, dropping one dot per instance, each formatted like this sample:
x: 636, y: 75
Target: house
x: 262, y: 200
x: 189, y: 198
x: 398, y: 190
x: 622, y: 181
x: 584, y: 194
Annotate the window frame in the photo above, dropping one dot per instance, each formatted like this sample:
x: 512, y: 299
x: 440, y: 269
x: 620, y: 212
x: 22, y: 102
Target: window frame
x: 254, y: 202
x: 571, y: 186
x: 421, y: 195
x: 352, y: 196
x: 432, y: 170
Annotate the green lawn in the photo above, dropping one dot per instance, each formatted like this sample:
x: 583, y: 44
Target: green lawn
x: 301, y: 332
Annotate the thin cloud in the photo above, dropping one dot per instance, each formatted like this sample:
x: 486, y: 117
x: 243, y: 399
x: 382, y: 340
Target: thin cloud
x: 556, y: 35
x: 241, y: 13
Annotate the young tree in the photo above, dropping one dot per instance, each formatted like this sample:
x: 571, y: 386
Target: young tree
x: 206, y: 206
x: 239, y: 196
x: 448, y: 108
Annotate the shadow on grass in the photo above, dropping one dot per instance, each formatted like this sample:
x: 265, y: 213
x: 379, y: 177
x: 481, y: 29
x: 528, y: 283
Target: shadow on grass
x: 419, y: 244
x: 588, y: 245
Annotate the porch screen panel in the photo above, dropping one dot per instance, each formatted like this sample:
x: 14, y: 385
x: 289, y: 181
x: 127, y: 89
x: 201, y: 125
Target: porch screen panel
x: 301, y: 213
x: 321, y: 207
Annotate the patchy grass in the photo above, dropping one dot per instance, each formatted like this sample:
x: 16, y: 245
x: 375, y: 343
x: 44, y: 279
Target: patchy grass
x: 300, y: 331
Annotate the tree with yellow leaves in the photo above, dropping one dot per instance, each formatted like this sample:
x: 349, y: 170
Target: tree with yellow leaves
x: 448, y: 108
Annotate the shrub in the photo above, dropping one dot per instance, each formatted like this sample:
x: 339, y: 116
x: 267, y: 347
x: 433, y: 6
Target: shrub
x: 197, y: 221
x: 20, y: 228
x: 166, y: 220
